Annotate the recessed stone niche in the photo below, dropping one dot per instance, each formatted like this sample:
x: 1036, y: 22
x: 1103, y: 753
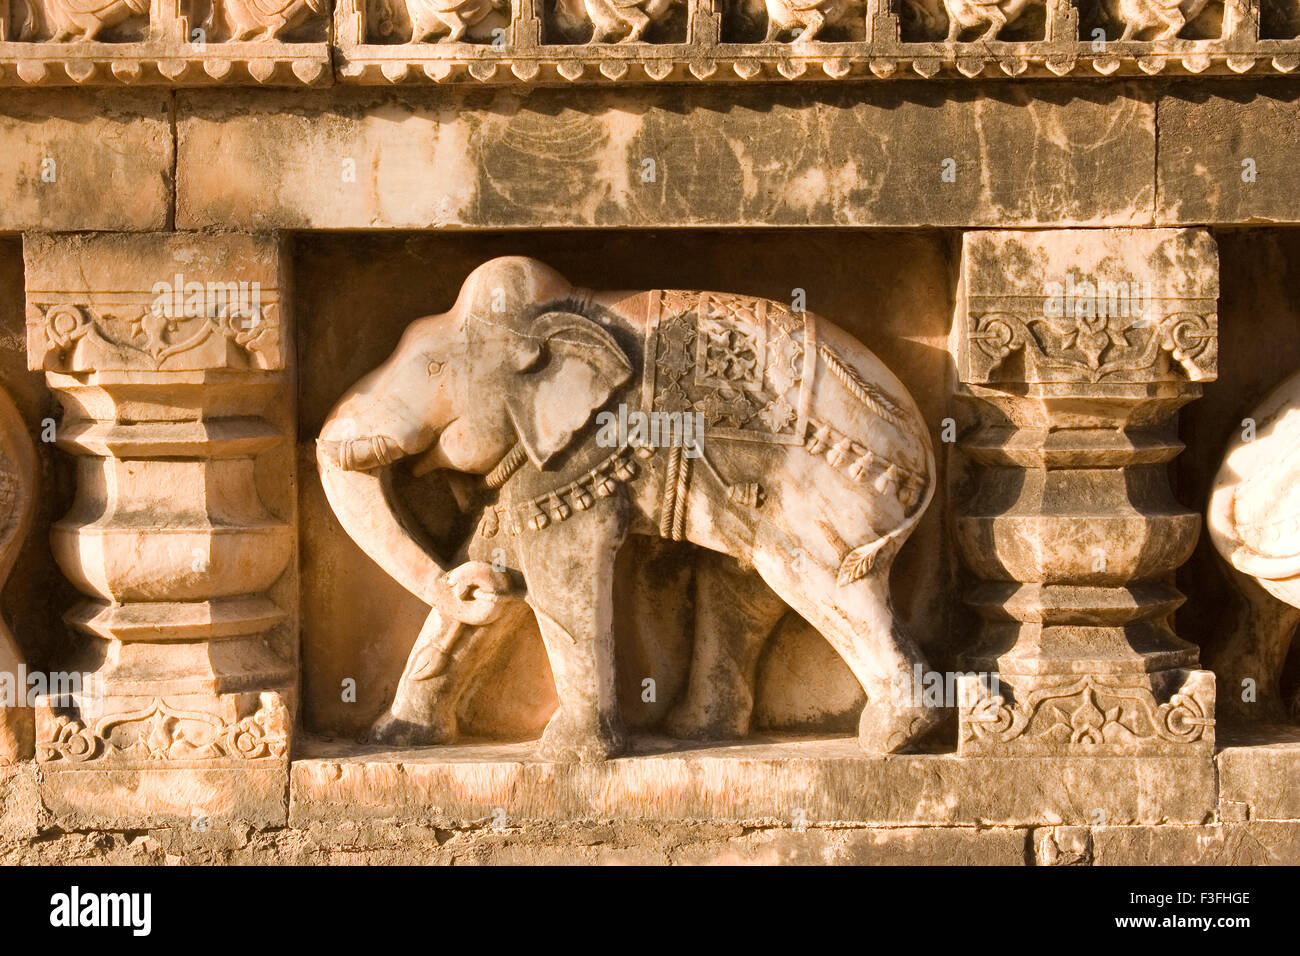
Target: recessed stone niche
x: 964, y: 530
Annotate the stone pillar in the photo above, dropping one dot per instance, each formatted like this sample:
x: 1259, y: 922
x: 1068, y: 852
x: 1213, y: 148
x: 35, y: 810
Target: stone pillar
x: 167, y: 353
x: 1076, y: 348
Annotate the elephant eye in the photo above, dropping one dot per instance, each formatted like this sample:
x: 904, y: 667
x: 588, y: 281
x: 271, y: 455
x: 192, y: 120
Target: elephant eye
x: 435, y: 367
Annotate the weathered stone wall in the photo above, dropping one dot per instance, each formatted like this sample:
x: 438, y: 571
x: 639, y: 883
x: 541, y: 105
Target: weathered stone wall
x: 243, y: 633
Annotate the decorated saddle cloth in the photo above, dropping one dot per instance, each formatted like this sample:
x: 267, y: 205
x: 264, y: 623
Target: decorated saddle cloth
x: 745, y: 364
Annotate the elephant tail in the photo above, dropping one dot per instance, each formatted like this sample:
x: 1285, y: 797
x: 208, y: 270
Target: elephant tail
x: 859, y: 562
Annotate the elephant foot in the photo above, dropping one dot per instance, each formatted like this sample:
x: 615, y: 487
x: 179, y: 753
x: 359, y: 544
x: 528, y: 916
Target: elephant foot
x: 396, y: 731
x: 686, y: 721
x: 887, y: 728
x: 565, y: 741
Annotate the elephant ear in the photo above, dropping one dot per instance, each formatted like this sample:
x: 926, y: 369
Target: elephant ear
x: 570, y: 367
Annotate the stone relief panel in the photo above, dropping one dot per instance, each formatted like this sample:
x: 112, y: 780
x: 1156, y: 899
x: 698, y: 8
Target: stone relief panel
x: 726, y: 657
x: 178, y: 42
x: 730, y: 40
x: 1146, y: 21
x: 196, y: 22
x: 289, y: 42
x: 772, y: 403
x: 614, y: 21
x: 954, y: 21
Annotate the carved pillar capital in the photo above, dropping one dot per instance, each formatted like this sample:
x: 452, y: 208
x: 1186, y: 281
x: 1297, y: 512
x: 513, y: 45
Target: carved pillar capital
x: 167, y: 353
x: 1076, y: 348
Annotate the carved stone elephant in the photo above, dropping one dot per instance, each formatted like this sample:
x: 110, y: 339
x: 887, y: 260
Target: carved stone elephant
x: 808, y: 462
x: 622, y: 20
x: 1254, y: 523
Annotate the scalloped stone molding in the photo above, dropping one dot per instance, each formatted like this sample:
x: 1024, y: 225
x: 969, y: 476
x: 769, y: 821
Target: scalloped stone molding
x: 521, y: 42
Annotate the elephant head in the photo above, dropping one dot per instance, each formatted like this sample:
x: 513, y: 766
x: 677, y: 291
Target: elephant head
x: 509, y: 365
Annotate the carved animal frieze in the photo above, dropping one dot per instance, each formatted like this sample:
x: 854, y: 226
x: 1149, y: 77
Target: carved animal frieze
x: 453, y: 21
x: 84, y: 19
x: 265, y: 19
x: 599, y: 41
x: 621, y: 21
x: 1166, y: 17
x: 727, y: 421
x: 961, y: 15
x: 806, y: 19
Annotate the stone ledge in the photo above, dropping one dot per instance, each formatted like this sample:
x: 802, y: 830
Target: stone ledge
x: 814, y: 782
x: 1259, y: 774
x: 1228, y: 844
x: 126, y: 799
x: 506, y: 159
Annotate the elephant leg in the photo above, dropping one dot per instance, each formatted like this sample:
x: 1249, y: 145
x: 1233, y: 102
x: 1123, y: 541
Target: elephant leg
x: 858, y: 622
x: 585, y: 728
x: 1256, y: 650
x: 569, y: 572
x: 440, y: 669
x: 735, y: 612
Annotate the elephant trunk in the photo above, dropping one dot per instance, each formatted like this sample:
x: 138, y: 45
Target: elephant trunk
x: 364, y: 503
x: 359, y: 454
